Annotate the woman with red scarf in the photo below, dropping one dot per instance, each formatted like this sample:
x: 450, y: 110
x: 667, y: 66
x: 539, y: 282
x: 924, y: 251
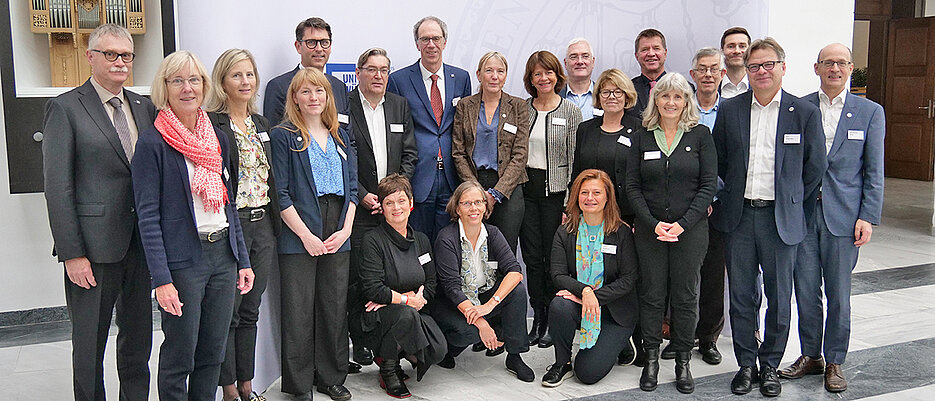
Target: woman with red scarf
x: 189, y: 228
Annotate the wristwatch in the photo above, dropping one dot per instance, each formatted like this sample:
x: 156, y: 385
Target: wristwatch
x: 404, y: 299
x: 497, y: 298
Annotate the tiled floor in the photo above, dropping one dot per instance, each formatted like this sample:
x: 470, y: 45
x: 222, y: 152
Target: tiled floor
x: 892, y: 343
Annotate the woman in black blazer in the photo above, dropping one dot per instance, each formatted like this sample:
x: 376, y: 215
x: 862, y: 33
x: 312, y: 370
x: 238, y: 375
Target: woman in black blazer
x: 231, y: 105
x: 670, y: 183
x: 594, y: 267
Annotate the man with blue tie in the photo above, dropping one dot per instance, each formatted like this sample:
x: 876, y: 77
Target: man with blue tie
x: 771, y: 159
x: 850, y: 201
x: 432, y: 89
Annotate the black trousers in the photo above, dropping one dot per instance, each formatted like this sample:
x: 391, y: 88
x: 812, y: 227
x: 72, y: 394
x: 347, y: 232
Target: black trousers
x: 355, y: 300
x: 542, y: 217
x: 591, y: 364
x: 240, y: 355
x: 191, y: 354
x: 508, y: 320
x: 314, y: 311
x: 711, y: 293
x: 672, y: 268
x: 126, y: 285
x: 508, y: 214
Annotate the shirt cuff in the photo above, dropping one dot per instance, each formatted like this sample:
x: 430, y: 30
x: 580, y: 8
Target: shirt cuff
x: 496, y: 195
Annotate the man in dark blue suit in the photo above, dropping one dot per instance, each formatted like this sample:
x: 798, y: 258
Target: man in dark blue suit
x: 771, y: 159
x: 432, y: 89
x: 850, y: 201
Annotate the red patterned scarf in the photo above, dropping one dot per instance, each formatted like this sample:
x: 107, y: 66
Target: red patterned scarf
x: 203, y: 149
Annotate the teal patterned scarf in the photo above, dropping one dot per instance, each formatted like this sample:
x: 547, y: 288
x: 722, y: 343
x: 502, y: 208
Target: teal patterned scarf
x: 589, y: 264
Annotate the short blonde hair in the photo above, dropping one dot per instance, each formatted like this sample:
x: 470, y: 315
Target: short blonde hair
x: 172, y: 64
x: 216, y: 99
x: 619, y: 79
x: 672, y: 82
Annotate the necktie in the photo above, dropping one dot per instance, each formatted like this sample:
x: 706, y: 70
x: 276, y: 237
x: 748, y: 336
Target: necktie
x: 652, y: 84
x: 436, y: 98
x: 123, y: 128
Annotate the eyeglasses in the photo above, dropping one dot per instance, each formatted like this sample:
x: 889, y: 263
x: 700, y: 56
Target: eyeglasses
x: 434, y: 39
x: 606, y: 93
x: 768, y: 66
x: 375, y: 70
x: 112, y: 56
x: 712, y: 70
x: 179, y: 82
x: 582, y: 57
x: 311, y: 43
x: 832, y: 63
x: 477, y: 203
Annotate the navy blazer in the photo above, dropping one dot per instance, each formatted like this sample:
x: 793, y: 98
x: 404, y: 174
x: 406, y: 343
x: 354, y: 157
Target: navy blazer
x: 798, y: 169
x: 274, y: 99
x: 852, y: 188
x: 407, y: 82
x: 166, y: 213
x: 296, y: 184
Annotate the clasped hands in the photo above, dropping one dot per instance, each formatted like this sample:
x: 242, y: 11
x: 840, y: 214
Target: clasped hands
x: 316, y: 247
x: 668, y: 232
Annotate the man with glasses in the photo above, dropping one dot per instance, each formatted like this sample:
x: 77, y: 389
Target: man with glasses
x: 313, y: 43
x: 734, y: 43
x: 579, y: 63
x: 850, y: 201
x: 386, y: 144
x: 90, y: 135
x: 771, y: 158
x: 432, y: 89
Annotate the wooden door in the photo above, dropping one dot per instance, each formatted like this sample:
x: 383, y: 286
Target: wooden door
x: 910, y: 90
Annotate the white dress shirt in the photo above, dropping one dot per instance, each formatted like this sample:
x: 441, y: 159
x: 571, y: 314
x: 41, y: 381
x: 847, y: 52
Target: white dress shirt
x: 761, y: 166
x: 206, y: 222
x: 376, y: 125
x: 427, y: 80
x: 831, y: 110
x: 729, y: 90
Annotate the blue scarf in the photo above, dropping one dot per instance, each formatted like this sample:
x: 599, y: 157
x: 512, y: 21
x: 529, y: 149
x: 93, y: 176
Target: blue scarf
x: 589, y: 265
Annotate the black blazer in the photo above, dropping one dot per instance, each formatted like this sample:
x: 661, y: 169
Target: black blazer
x: 609, y: 153
x: 222, y: 122
x: 618, y: 294
x: 676, y: 188
x: 401, y: 150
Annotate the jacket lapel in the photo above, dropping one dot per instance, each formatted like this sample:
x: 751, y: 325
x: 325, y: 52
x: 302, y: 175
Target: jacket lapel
x: 92, y: 104
x: 840, y: 133
x: 140, y: 113
x: 359, y: 121
x: 415, y: 76
x: 744, y: 125
x: 783, y: 127
x: 183, y: 172
x: 448, y: 112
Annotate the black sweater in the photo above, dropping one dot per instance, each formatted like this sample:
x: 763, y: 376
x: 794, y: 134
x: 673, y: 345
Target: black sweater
x: 389, y: 262
x: 608, y: 152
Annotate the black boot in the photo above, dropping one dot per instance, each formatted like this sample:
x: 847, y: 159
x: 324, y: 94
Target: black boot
x: 534, y: 334
x: 545, y: 339
x: 390, y: 381
x: 683, y: 375
x: 640, y: 351
x: 648, y: 379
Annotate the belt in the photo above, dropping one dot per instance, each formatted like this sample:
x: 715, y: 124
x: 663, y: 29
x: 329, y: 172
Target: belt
x: 252, y: 214
x: 758, y: 202
x: 214, y: 236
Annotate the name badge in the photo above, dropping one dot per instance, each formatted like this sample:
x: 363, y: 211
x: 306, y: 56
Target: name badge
x: 454, y: 101
x: 227, y: 175
x: 558, y: 121
x: 396, y: 128
x: 652, y: 155
x: 854, y: 134
x: 342, y: 118
x: 609, y: 249
x: 598, y: 113
x: 625, y: 141
x: 792, y: 139
x: 264, y: 137
x: 425, y: 258
x: 509, y: 128
x: 341, y: 152
x: 493, y: 264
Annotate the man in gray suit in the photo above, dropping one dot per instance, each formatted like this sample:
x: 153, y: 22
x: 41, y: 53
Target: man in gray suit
x: 849, y: 203
x: 90, y: 134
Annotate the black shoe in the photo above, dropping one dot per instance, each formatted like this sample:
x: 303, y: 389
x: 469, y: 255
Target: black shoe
x: 769, y: 382
x: 478, y: 347
x: 390, y: 381
x: 648, y: 379
x: 363, y: 356
x: 353, y: 367
x: 545, y: 341
x: 448, y: 362
x: 743, y: 381
x: 494, y: 352
x: 557, y: 374
x: 337, y: 392
x: 709, y: 353
x: 668, y: 352
x: 516, y: 366
x: 683, y: 374
x: 628, y: 355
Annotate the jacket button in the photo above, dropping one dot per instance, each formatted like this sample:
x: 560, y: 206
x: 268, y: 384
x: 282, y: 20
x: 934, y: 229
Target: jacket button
x: 132, y: 210
x: 373, y: 173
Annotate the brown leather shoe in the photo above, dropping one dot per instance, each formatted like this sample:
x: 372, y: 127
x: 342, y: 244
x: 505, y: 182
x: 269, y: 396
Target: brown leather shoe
x: 805, y: 365
x: 834, y: 378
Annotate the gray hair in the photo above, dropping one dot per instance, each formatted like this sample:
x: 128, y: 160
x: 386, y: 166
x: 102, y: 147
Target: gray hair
x: 580, y: 40
x: 706, y: 52
x: 415, y: 28
x: 114, y: 30
x: 762, y: 44
x: 371, y: 52
x: 670, y: 82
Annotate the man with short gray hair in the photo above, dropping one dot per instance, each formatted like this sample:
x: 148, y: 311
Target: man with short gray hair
x: 579, y: 64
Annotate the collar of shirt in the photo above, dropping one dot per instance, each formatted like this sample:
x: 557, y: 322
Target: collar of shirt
x: 572, y: 93
x: 105, y: 94
x: 717, y: 102
x: 480, y: 238
x: 775, y: 100
x: 366, y: 103
x: 743, y: 83
x: 427, y: 75
x: 823, y: 98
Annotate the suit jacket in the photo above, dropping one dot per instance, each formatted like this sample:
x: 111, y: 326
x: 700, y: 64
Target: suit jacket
x: 407, y: 82
x: 512, y: 147
x: 798, y: 167
x: 402, y: 154
x: 274, y: 99
x: 852, y: 188
x: 223, y: 122
x: 88, y: 189
x: 163, y: 196
x: 296, y: 184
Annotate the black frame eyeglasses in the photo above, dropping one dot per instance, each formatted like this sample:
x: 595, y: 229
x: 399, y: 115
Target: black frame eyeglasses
x: 311, y: 43
x: 112, y: 56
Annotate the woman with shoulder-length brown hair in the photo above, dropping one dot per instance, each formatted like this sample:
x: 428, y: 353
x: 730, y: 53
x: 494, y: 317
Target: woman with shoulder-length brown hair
x: 594, y: 268
x: 316, y: 179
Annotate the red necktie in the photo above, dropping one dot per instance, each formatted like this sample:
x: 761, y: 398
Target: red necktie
x: 652, y: 84
x: 436, y: 99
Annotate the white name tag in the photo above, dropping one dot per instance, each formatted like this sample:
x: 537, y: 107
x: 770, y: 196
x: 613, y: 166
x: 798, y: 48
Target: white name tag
x: 598, y: 113
x: 624, y: 140
x: 342, y: 118
x: 396, y: 128
x: 854, y: 134
x: 454, y: 101
x: 493, y: 264
x: 609, y: 249
x: 264, y: 137
x: 558, y: 121
x: 425, y: 258
x: 792, y: 138
x: 509, y: 128
x: 341, y: 152
x: 652, y: 155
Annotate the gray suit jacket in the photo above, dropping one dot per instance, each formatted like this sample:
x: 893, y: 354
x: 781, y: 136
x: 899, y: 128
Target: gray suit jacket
x: 87, y: 175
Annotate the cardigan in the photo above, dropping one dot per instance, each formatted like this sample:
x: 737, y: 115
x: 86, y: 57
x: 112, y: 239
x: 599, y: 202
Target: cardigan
x: 560, y: 139
x: 448, y: 259
x: 608, y: 152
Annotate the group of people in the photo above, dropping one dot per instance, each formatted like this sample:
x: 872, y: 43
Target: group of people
x: 393, y: 213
